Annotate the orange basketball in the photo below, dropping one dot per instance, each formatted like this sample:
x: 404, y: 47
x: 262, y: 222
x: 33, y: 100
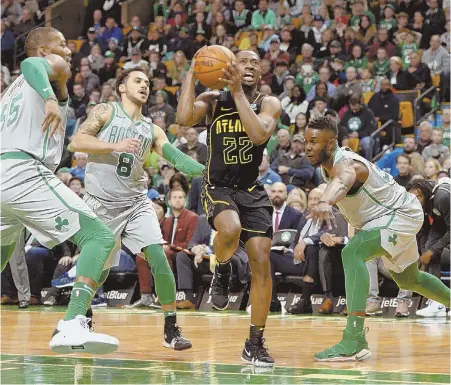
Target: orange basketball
x: 209, y: 64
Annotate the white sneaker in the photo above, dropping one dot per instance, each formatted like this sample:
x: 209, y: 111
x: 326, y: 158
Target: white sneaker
x: 434, y: 309
x: 75, y: 336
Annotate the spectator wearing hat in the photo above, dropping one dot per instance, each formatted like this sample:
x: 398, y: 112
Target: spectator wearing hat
x: 324, y: 77
x: 389, y: 21
x: 85, y: 48
x: 360, y: 123
x: 108, y: 71
x: 162, y: 108
x: 263, y: 16
x: 382, y: 41
x: 334, y: 49
x: 136, y: 60
x: 241, y: 17
x: 367, y: 30
x: 275, y: 53
x: 338, y: 73
x: 113, y: 46
x: 280, y: 71
x: 314, y: 35
x: 293, y: 166
x: 288, y: 84
x: 135, y: 40
x: 110, y: 30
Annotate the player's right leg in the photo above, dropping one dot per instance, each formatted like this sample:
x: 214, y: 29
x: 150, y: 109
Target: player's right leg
x: 222, y: 214
x: 37, y: 199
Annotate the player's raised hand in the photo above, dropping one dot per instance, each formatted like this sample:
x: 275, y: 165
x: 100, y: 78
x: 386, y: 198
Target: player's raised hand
x: 52, y: 118
x: 129, y: 145
x: 232, y: 76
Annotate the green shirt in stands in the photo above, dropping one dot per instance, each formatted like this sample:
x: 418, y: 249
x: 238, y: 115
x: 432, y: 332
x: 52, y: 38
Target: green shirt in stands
x: 406, y: 50
x: 389, y: 24
x: 355, y: 20
x: 357, y: 63
x: 380, y: 69
x: 446, y: 136
x: 269, y: 18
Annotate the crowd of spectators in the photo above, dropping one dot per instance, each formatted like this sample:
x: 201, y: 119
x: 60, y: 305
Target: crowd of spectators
x: 346, y: 59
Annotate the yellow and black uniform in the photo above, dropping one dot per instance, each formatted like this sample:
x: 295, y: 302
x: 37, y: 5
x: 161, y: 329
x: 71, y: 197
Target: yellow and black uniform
x: 230, y: 178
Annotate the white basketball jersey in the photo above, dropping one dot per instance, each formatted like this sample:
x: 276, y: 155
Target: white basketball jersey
x: 118, y: 179
x: 22, y: 112
x: 380, y: 195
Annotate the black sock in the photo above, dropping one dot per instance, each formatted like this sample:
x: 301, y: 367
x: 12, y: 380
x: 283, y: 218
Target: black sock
x: 89, y: 313
x: 189, y: 295
x: 224, y: 267
x: 256, y: 334
x: 170, y: 320
x: 307, y: 289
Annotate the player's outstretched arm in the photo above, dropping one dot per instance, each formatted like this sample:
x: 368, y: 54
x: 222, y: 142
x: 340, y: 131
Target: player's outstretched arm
x: 172, y: 154
x: 85, y: 139
x: 345, y: 177
x: 190, y: 110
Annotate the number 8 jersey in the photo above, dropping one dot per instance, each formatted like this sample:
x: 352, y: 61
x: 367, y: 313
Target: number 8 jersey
x: 21, y: 114
x: 118, y: 180
x: 233, y: 159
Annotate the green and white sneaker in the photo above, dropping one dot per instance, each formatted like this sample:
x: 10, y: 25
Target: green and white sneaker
x: 353, y: 347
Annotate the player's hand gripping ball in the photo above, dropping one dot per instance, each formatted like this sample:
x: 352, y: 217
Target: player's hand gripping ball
x: 208, y: 65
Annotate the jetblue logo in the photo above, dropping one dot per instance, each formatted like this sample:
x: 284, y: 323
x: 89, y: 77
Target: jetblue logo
x: 114, y: 294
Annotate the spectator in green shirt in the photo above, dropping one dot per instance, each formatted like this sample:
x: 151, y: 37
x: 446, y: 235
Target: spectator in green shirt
x: 358, y: 10
x: 381, y: 67
x: 358, y: 60
x: 263, y: 16
x: 389, y: 20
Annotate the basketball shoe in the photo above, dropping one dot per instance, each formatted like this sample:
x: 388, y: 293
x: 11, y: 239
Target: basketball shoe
x: 76, y: 336
x: 173, y: 338
x: 434, y: 309
x: 220, y: 286
x: 257, y: 353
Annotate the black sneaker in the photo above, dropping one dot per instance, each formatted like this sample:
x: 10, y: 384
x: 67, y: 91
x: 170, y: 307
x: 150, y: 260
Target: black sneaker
x: 220, y: 288
x: 257, y: 354
x: 301, y: 307
x: 173, y: 338
x: 89, y: 316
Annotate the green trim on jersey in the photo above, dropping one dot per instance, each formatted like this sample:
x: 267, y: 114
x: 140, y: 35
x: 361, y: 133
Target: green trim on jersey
x: 60, y: 198
x: 113, y: 114
x: 128, y: 116
x: 46, y: 143
x: 15, y: 155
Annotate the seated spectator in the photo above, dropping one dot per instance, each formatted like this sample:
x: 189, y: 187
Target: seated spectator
x: 300, y: 124
x: 434, y: 20
x: 358, y: 10
x: 360, y: 123
x: 367, y: 30
x: 293, y: 166
x: 306, y: 78
x: 200, y: 26
x: 368, y: 83
x: 79, y: 97
x: 26, y: 24
x: 155, y: 42
x: 288, y: 85
x: 407, y: 44
x: 324, y: 77
x: 176, y: 26
x: 96, y: 60
x: 87, y: 45
x: 398, y: 77
x: 352, y: 88
x: 193, y: 144
x: 267, y: 177
x: 431, y: 169
x: 425, y: 136
x: 436, y: 57
x: 107, y: 91
x: 283, y: 146
x: 319, y: 107
x: 159, y: 84
x: 275, y: 54
x: 110, y: 30
x: 151, y: 193
x: 296, y: 104
x: 322, y: 50
x: 382, y: 41
x: 162, y: 108
x: 136, y: 60
x: 445, y: 38
x: 388, y: 21
x: 374, y: 302
x: 436, y: 150
x: 134, y: 40
x: 419, y: 75
x: 179, y: 228
x: 81, y: 160
x: 277, y: 80
x: 134, y: 22
x: 381, y: 67
x: 241, y: 17
x: 263, y: 16
x: 11, y: 12
x: 77, y: 186
x: 113, y: 46
x: 314, y: 35
x: 284, y: 218
x: 435, y: 200
x: 403, y: 165
x: 90, y: 81
x: 358, y: 60
x: 200, y: 40
x: 182, y: 42
x: 303, y: 260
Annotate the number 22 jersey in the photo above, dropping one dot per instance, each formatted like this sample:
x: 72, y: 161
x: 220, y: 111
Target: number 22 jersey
x: 118, y: 179
x: 233, y: 159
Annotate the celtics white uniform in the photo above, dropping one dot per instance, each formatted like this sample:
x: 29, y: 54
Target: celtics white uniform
x: 31, y: 195
x: 116, y: 185
x: 383, y: 204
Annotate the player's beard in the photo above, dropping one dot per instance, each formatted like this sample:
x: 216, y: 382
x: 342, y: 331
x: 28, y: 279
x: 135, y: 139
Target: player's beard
x: 323, y: 157
x: 134, y: 100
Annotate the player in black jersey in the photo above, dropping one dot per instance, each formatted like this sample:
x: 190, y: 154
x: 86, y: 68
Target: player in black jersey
x: 241, y: 122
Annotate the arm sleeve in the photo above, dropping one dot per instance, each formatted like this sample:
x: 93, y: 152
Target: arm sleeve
x: 36, y: 71
x: 181, y: 161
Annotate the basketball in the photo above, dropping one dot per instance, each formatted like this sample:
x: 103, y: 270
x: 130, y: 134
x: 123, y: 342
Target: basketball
x: 209, y: 64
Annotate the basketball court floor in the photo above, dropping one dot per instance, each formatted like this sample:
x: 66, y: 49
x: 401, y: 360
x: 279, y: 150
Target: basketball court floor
x: 407, y: 351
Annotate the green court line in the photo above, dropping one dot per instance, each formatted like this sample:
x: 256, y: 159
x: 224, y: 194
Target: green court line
x: 73, y: 370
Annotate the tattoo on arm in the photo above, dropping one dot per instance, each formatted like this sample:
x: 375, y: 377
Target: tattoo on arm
x: 95, y: 120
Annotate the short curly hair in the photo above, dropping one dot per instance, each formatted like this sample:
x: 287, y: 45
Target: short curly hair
x: 324, y: 123
x: 122, y: 78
